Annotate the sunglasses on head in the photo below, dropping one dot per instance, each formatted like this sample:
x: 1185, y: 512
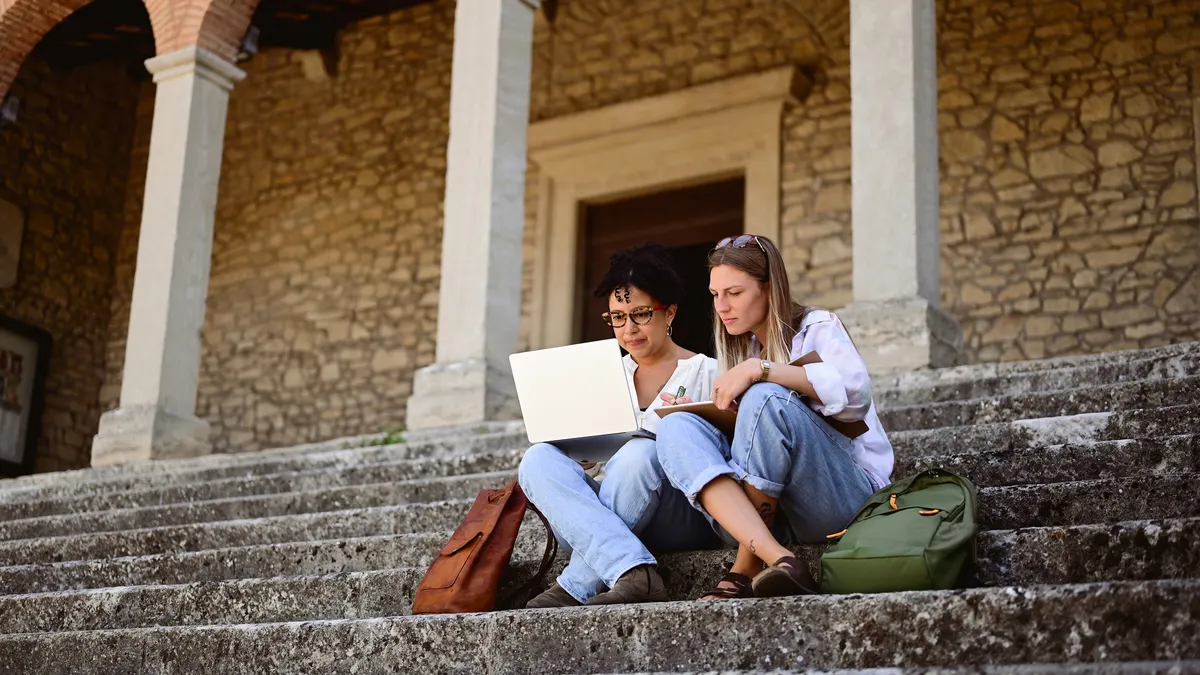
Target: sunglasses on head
x: 741, y: 241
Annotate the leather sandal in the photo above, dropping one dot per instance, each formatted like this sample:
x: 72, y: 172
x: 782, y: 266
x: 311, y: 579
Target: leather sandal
x: 740, y: 588
x: 787, y: 576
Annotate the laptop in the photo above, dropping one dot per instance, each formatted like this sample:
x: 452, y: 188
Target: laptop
x: 578, y: 398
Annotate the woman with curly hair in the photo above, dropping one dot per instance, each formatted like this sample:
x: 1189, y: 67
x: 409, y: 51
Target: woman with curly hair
x: 611, y: 525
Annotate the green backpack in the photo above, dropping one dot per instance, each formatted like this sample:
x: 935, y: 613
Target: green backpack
x: 915, y: 534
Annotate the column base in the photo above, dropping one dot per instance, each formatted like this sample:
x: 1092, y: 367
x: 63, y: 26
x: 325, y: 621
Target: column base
x: 468, y: 392
x: 904, y: 334
x: 142, y: 433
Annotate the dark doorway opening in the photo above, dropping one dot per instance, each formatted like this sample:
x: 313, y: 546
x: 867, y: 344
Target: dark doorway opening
x: 689, y: 221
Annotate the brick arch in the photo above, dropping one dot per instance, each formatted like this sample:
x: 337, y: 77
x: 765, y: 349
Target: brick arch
x: 23, y: 23
x: 215, y: 25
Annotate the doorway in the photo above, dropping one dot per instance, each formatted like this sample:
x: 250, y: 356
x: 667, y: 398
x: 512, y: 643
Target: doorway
x: 688, y: 221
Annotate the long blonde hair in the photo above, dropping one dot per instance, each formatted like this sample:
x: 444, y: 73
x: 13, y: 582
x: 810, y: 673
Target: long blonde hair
x: 784, y: 314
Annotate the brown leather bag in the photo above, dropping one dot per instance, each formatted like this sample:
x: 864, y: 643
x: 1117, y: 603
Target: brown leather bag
x: 465, y: 576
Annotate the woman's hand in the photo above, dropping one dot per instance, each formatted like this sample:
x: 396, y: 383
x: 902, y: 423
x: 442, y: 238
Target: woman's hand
x: 669, y: 399
x: 735, y: 382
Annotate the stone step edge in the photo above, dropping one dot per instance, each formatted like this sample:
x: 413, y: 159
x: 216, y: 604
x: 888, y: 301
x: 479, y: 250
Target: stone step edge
x: 1184, y: 667
x: 999, y: 402
x: 533, y: 543
x: 953, y: 375
x: 920, y: 460
x: 11, y: 492
x: 496, y: 480
x: 281, y: 475
x: 1011, y: 590
x: 466, y: 502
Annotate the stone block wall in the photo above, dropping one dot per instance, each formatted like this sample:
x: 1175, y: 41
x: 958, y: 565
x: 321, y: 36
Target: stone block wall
x: 66, y: 164
x: 1068, y: 175
x: 1068, y: 150
x: 324, y: 292
x: 324, y: 286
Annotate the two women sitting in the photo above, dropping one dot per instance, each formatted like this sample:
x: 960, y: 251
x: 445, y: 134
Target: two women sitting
x: 786, y: 475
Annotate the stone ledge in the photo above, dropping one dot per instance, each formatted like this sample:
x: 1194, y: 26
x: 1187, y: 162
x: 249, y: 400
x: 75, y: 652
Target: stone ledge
x: 1092, y: 622
x: 141, y: 433
x: 902, y: 335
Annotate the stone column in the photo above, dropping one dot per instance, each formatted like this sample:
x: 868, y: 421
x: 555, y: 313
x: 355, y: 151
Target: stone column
x: 895, y: 318
x: 156, y: 418
x: 480, y: 299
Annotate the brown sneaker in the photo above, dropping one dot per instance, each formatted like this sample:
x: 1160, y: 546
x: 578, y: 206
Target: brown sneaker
x: 640, y: 584
x: 555, y: 596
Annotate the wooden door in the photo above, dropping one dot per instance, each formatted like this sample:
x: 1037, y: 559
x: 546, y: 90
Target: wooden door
x: 688, y: 221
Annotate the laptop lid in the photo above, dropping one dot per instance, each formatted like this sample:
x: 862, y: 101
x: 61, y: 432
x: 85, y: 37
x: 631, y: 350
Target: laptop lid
x: 574, y: 392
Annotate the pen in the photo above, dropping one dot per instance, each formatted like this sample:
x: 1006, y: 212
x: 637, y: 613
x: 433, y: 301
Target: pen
x: 682, y: 390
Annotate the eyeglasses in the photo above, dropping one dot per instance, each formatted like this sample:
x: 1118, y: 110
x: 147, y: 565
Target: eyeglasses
x: 640, y: 315
x: 741, y: 242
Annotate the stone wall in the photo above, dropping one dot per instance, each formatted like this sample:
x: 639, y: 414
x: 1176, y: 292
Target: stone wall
x: 66, y: 164
x: 324, y: 285
x: 1068, y: 151
x: 1069, y: 179
x: 324, y: 299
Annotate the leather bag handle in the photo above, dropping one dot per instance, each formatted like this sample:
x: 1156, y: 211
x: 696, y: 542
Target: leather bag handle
x: 547, y: 558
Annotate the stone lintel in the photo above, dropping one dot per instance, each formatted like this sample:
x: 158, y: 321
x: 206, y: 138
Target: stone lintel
x: 467, y: 392
x: 141, y: 433
x: 903, y: 334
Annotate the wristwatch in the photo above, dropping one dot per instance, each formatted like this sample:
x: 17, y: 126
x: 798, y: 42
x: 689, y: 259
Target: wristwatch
x: 766, y: 370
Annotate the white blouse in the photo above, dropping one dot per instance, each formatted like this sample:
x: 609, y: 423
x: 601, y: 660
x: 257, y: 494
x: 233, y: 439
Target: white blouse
x: 696, y: 375
x: 844, y: 387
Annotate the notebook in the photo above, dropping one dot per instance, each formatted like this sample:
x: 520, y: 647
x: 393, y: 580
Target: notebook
x: 725, y: 420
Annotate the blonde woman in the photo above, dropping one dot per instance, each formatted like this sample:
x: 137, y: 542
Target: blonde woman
x: 786, y: 472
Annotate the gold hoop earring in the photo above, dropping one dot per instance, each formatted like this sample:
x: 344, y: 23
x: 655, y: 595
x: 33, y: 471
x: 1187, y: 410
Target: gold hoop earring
x: 670, y: 330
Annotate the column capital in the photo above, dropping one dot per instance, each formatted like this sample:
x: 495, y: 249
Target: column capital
x: 195, y: 60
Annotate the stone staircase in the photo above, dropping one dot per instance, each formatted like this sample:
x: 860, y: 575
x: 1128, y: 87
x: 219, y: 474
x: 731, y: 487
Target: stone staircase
x: 304, y: 560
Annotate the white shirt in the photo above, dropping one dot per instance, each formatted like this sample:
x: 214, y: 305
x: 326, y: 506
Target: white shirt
x: 696, y: 375
x: 844, y: 387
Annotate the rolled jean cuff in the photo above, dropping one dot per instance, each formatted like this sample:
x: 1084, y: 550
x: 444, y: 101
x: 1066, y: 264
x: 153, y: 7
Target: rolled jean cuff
x: 706, y: 476
x: 769, y: 488
x: 772, y: 490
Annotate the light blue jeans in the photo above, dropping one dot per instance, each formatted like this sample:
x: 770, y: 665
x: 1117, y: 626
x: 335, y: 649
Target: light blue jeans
x: 783, y: 448
x: 610, y: 526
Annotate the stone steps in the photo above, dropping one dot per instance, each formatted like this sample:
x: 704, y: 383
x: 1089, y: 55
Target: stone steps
x: 410, y: 480
x: 1111, y: 621
x: 1122, y: 396
x: 1152, y: 550
x: 1067, y: 555
x: 305, y: 559
x: 1015, y: 378
x: 1094, y: 396
x: 396, y: 483
x: 1072, y: 503
x: 1099, y: 668
x: 1081, y: 428
x: 217, y: 467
